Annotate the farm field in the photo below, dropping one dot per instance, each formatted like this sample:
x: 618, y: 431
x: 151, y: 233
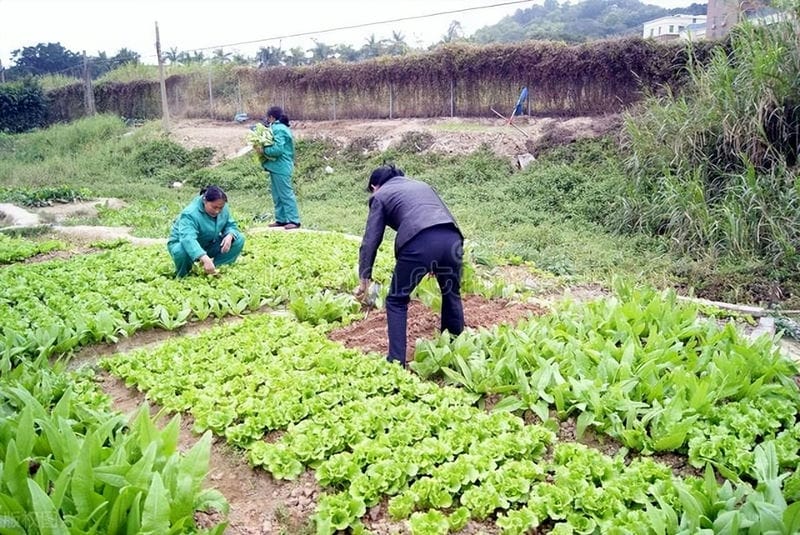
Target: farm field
x: 578, y: 400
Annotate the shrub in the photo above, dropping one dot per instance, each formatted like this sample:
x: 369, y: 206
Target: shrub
x: 158, y: 157
x: 23, y: 106
x: 413, y: 142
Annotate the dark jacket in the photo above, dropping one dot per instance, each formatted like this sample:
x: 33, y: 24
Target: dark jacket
x: 408, y: 207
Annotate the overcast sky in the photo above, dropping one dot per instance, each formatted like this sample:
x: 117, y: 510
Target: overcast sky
x: 241, y: 26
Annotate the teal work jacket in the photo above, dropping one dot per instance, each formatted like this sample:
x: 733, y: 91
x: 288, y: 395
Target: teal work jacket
x: 196, y: 231
x: 281, y: 151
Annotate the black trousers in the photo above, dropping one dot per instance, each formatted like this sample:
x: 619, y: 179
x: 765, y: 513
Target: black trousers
x: 437, y: 250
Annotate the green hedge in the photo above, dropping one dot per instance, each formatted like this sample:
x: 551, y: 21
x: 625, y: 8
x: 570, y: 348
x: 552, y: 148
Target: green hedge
x: 23, y: 106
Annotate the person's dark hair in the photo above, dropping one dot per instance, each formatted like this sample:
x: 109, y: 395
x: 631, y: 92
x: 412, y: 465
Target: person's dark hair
x: 383, y: 173
x: 213, y: 193
x: 277, y: 112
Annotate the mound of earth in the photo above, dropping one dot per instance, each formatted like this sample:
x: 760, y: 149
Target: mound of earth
x: 369, y: 334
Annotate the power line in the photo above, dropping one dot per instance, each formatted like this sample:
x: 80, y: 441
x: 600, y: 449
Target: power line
x: 329, y: 30
x: 363, y: 25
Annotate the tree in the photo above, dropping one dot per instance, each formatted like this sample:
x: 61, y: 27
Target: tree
x: 270, y: 56
x: 195, y: 57
x: 50, y: 58
x: 23, y: 106
x: 550, y: 5
x: 123, y: 57
x: 100, y: 64
x: 320, y: 52
x: 454, y: 33
x: 220, y: 56
x: 397, y: 45
x: 296, y: 57
x: 576, y: 22
x: 372, y: 48
x: 347, y: 53
x: 173, y: 55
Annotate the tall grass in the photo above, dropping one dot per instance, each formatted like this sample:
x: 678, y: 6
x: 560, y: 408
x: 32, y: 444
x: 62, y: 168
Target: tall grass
x: 50, y: 82
x: 714, y: 169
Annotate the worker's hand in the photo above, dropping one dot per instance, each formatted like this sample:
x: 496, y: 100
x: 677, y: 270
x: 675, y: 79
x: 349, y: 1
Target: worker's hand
x: 361, y: 292
x: 225, y: 246
x: 208, y: 265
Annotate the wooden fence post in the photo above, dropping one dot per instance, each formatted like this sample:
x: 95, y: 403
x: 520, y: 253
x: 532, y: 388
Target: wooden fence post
x: 210, y: 93
x: 164, y: 105
x: 452, y: 98
x: 391, y: 100
x: 88, y: 90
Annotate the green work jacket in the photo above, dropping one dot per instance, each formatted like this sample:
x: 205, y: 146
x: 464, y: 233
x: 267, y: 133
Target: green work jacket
x: 281, y: 151
x: 196, y: 231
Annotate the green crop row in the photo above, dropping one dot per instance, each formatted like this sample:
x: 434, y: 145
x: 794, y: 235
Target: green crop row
x: 69, y: 464
x: 57, y: 306
x: 642, y: 368
x: 14, y: 249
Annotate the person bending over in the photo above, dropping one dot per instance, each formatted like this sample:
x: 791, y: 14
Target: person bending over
x: 428, y: 241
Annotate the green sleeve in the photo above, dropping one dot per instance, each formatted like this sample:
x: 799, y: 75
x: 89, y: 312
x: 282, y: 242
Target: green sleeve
x: 188, y: 230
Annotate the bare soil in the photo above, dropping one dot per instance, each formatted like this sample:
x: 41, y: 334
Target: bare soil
x: 454, y: 135
x: 369, y: 334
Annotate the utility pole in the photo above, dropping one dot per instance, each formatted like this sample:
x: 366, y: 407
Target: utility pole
x: 2, y: 73
x: 164, y: 106
x: 88, y: 90
x: 210, y: 93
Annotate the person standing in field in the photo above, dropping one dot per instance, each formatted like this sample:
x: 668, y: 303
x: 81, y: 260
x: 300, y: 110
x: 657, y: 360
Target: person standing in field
x: 279, y: 163
x: 205, y: 232
x: 428, y: 241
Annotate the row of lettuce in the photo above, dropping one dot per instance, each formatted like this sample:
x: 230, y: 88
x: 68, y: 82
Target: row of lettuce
x: 52, y: 308
x: 15, y: 249
x: 639, y: 367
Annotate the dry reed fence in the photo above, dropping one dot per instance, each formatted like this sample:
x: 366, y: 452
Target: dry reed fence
x: 453, y: 80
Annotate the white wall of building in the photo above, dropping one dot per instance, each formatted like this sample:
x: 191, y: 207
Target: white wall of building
x: 670, y: 27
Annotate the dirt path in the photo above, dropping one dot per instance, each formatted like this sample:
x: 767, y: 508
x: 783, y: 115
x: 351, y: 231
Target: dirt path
x: 20, y: 218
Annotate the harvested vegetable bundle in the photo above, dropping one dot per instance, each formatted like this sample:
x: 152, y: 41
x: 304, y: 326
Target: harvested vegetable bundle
x: 260, y: 136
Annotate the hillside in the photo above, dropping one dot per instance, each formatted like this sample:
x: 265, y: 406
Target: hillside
x: 578, y: 22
